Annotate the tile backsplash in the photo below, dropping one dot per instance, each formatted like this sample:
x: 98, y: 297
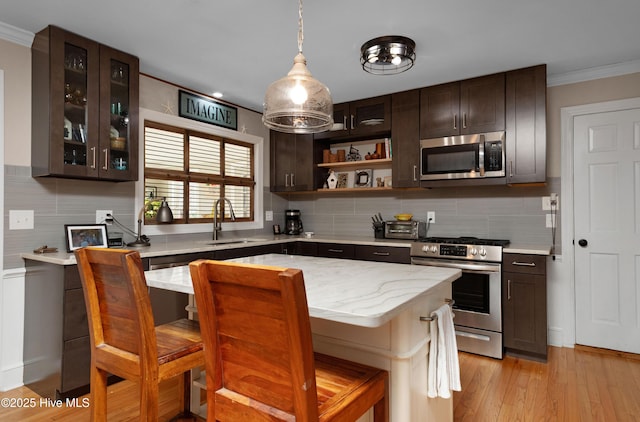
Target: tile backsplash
x: 513, y: 213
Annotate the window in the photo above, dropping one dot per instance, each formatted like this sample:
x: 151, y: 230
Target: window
x: 192, y: 170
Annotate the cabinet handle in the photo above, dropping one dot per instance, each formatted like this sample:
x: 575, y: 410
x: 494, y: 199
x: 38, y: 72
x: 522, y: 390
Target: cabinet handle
x: 455, y: 122
x: 464, y: 121
x: 415, y: 173
x: 508, y: 289
x: 286, y: 180
x: 344, y: 121
x: 524, y: 264
x: 93, y: 153
x: 510, y: 168
x: 106, y: 159
x: 352, y: 122
x: 335, y: 250
x: 292, y: 184
x: 382, y: 253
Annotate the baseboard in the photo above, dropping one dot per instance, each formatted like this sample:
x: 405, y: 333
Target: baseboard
x: 609, y: 352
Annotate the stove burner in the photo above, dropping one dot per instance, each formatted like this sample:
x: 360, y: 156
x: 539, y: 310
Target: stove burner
x: 462, y: 240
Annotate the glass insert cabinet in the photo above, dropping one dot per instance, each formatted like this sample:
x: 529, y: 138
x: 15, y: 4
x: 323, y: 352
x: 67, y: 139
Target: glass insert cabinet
x: 84, y: 108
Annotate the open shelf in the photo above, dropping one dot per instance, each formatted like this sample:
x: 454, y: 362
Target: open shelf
x: 361, y: 163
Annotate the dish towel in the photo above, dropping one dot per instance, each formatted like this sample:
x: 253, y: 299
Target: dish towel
x: 444, y: 368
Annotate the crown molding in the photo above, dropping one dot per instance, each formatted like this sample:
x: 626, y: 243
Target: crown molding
x: 616, y: 69
x: 16, y: 35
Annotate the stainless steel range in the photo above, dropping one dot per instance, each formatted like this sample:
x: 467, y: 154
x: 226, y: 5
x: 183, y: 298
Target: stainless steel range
x: 477, y: 293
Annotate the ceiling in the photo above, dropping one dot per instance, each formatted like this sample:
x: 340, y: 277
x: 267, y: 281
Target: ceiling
x: 240, y: 47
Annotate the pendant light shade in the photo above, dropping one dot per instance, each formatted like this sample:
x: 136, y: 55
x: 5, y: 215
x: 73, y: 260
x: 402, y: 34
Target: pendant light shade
x: 298, y: 103
x: 388, y: 55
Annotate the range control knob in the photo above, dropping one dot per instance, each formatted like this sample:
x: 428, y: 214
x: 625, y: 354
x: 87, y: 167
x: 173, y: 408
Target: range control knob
x: 483, y: 252
x: 434, y: 249
x: 473, y: 251
x: 425, y: 248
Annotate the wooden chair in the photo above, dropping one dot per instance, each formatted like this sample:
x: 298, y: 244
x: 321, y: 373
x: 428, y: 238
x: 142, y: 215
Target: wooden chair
x: 259, y: 357
x: 124, y: 341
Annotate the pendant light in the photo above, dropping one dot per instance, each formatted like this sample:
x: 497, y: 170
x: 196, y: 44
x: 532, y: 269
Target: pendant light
x: 298, y: 103
x: 388, y: 55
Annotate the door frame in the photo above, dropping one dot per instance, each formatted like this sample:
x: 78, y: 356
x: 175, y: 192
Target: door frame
x: 567, y: 116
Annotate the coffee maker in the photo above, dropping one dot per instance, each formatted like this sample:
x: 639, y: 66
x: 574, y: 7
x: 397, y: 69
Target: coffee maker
x: 292, y: 222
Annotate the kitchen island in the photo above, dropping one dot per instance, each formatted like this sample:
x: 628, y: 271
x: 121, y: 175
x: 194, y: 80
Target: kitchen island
x: 367, y: 312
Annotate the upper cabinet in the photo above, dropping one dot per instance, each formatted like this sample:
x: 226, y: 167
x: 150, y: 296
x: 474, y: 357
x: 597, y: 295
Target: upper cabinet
x: 465, y: 107
x: 368, y: 117
x: 291, y: 162
x: 84, y: 108
x: 526, y: 125
x: 405, y: 134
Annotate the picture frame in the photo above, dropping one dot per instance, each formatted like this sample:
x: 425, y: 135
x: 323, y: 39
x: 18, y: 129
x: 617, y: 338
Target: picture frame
x: 363, y: 178
x: 82, y: 235
x: 343, y: 180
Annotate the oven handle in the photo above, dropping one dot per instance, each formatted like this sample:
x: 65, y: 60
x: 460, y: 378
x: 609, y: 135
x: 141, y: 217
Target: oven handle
x: 467, y: 266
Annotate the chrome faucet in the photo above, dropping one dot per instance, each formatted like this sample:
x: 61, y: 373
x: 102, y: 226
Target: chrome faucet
x: 217, y: 225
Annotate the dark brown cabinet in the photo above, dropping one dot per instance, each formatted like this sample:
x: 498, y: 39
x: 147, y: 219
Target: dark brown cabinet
x: 524, y: 305
x: 526, y: 125
x: 336, y: 250
x: 405, y: 135
x: 368, y: 117
x: 292, y: 162
x: 458, y: 108
x: 383, y: 254
x: 84, y: 108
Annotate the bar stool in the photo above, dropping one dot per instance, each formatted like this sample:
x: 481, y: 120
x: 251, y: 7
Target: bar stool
x: 260, y: 363
x: 124, y: 341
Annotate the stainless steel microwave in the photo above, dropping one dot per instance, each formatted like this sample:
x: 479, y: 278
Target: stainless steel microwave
x: 463, y: 157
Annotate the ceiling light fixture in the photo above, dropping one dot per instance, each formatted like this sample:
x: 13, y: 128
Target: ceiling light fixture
x: 298, y: 103
x: 388, y: 55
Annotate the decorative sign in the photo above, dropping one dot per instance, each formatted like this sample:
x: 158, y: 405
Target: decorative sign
x: 203, y: 109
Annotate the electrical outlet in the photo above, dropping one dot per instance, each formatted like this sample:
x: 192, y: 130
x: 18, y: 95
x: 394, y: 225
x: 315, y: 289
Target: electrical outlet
x: 431, y: 217
x: 548, y: 201
x: 268, y: 215
x: 20, y: 219
x: 101, y: 216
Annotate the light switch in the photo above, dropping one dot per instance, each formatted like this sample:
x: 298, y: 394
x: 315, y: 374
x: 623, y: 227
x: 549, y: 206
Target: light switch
x: 20, y: 219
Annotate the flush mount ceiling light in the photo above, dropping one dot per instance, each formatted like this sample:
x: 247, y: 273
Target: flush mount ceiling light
x: 298, y: 103
x: 388, y: 55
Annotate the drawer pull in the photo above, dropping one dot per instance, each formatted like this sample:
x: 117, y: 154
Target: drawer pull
x: 336, y: 250
x: 524, y: 264
x: 382, y: 253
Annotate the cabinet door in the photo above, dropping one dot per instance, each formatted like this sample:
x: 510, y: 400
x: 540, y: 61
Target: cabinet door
x: 117, y: 157
x: 65, y: 103
x: 482, y: 104
x: 525, y: 313
x: 405, y: 135
x: 439, y: 110
x: 371, y: 116
x: 291, y: 162
x: 342, y: 117
x: 526, y: 125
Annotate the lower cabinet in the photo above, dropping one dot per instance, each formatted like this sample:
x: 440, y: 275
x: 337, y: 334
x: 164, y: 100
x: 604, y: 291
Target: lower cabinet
x: 524, y: 305
x: 336, y: 250
x: 383, y: 254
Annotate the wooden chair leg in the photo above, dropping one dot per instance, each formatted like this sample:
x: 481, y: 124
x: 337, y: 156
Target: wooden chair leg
x: 380, y: 411
x: 149, y: 400
x: 98, y: 388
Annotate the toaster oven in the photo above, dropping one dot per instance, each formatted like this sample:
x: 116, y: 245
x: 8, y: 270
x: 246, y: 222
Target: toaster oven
x: 411, y: 230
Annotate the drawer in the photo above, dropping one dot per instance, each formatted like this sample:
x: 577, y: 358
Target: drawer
x: 72, y: 277
x: 76, y: 364
x: 523, y: 263
x: 336, y: 250
x: 74, y: 315
x: 383, y: 254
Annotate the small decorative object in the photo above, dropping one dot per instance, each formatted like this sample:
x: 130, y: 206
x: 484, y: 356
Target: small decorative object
x: 379, y: 182
x: 363, y: 178
x: 325, y: 155
x: 354, y: 154
x: 79, y: 236
x: 387, y: 181
x: 343, y: 179
x: 342, y: 155
x: 68, y: 129
x: 403, y: 217
x: 332, y: 180
x: 367, y: 156
x: 333, y: 158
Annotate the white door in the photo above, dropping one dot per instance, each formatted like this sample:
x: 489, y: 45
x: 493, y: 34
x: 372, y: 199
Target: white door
x: 607, y: 229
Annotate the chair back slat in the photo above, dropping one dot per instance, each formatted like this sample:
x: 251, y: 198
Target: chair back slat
x: 113, y: 281
x: 256, y: 321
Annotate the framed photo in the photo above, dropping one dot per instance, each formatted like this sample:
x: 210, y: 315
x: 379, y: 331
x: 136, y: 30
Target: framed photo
x: 343, y: 180
x: 79, y: 236
x: 363, y: 178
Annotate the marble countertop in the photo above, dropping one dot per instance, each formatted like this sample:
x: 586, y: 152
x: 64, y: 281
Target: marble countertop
x: 362, y: 293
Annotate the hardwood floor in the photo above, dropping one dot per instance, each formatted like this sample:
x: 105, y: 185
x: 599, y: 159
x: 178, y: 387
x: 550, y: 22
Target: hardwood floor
x: 580, y: 384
